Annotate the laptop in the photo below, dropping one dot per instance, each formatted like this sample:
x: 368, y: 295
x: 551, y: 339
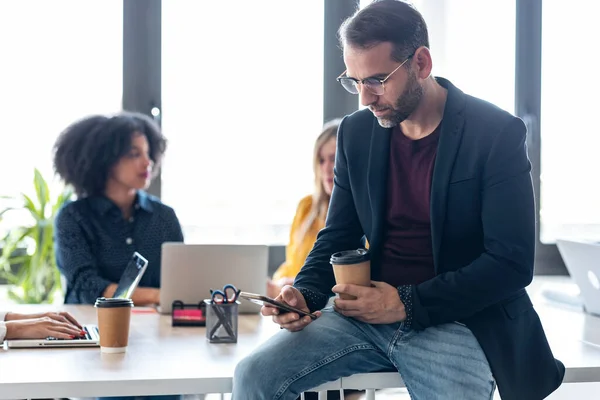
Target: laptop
x: 127, y: 284
x: 582, y: 262
x: 189, y: 271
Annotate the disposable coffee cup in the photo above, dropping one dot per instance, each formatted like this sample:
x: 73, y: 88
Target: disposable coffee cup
x: 352, y: 266
x: 114, y: 316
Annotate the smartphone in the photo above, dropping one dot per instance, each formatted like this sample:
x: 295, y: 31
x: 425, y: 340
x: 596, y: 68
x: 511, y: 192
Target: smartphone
x: 131, y: 276
x: 260, y: 299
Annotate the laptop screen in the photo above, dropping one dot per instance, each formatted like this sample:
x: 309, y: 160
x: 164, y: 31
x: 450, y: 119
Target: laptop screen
x: 131, y: 276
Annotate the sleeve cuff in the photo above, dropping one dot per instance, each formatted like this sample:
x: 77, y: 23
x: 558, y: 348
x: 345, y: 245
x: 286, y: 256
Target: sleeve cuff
x: 405, y: 293
x: 314, y: 300
x: 96, y: 289
x: 2, y: 330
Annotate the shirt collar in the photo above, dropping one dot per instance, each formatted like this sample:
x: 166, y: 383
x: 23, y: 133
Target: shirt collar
x: 143, y: 201
x: 103, y: 204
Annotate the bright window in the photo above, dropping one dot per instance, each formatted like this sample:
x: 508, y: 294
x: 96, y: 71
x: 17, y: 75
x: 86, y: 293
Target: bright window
x: 61, y: 60
x: 473, y: 45
x: 570, y: 189
x: 242, y: 105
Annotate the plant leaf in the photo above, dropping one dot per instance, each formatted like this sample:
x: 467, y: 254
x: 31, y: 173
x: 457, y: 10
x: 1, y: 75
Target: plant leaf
x: 31, y: 248
x: 10, y: 277
x: 15, y: 297
x: 10, y: 244
x: 7, y: 209
x: 33, y: 209
x: 42, y: 191
x: 63, y: 198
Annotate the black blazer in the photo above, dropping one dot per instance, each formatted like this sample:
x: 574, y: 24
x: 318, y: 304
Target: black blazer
x: 482, y: 227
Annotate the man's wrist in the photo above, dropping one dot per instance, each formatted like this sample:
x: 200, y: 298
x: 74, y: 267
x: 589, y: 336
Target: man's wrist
x: 314, y: 300
x: 405, y: 294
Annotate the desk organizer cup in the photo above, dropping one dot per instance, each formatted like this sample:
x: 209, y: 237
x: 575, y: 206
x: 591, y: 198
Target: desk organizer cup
x: 114, y: 315
x: 221, y: 322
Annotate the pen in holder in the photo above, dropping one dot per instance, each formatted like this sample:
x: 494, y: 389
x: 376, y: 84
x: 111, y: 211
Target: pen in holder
x: 222, y: 315
x: 221, y: 322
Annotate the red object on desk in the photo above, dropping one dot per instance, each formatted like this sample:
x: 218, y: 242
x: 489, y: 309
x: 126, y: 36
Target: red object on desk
x: 189, y: 315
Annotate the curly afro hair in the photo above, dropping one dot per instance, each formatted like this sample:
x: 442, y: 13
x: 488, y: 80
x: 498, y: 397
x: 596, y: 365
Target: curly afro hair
x: 87, y: 150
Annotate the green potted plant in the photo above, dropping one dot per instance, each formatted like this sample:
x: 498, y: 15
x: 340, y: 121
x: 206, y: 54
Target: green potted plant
x: 27, y: 260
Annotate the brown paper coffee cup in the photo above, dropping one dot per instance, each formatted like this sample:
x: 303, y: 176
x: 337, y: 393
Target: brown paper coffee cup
x: 352, y: 266
x: 114, y: 316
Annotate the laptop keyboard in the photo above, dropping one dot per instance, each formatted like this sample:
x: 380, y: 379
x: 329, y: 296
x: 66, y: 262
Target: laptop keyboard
x: 88, y: 334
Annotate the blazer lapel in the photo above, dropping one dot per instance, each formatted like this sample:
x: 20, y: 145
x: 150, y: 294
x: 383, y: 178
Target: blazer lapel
x: 379, y: 155
x: 448, y: 145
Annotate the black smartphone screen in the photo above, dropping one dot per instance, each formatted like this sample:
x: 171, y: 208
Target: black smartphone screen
x: 260, y: 299
x: 131, y: 276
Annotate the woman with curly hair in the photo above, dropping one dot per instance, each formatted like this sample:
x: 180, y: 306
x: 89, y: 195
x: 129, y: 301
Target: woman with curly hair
x: 110, y: 161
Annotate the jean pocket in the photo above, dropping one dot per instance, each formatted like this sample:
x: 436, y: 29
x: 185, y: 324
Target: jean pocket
x: 403, y: 334
x: 405, y: 331
x: 403, y: 328
x: 327, y: 308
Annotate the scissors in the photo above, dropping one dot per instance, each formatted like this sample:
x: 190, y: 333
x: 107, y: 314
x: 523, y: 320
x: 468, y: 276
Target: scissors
x: 228, y: 295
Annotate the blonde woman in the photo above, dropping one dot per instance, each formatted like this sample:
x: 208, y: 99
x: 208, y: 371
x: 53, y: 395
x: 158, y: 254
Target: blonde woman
x: 311, y: 212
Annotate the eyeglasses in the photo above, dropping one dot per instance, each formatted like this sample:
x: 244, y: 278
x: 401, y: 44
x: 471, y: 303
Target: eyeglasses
x: 373, y: 85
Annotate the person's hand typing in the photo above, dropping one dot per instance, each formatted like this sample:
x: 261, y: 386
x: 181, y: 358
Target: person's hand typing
x: 40, y: 328
x: 289, y: 320
x: 379, y: 304
x: 61, y: 316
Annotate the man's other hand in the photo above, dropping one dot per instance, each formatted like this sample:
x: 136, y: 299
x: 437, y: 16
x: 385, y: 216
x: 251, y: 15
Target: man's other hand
x: 379, y: 304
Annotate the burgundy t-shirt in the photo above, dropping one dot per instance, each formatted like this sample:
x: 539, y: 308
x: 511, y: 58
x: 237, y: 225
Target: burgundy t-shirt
x: 407, y: 256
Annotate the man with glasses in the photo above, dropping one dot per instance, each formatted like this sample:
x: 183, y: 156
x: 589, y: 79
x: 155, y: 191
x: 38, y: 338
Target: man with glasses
x: 438, y: 183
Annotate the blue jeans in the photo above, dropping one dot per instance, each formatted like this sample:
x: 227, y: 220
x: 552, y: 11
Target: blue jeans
x: 440, y: 362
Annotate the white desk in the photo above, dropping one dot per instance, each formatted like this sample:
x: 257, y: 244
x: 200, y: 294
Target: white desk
x: 573, y: 335
x: 166, y: 360
x: 160, y: 360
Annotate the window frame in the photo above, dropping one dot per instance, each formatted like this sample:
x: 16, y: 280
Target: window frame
x: 142, y: 47
x: 142, y: 82
x: 528, y: 97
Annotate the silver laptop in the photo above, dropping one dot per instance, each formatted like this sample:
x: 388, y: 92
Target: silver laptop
x: 127, y: 284
x: 582, y: 260
x: 190, y: 271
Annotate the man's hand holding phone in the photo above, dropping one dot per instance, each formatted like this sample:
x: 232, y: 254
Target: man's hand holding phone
x: 289, y: 320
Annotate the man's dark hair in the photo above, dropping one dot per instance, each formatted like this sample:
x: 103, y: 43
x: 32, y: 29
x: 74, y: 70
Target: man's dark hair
x: 86, y: 152
x: 381, y: 21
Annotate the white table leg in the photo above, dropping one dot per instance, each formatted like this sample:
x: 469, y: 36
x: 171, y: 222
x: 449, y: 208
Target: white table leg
x: 370, y: 394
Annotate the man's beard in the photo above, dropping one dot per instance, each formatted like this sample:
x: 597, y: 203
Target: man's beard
x: 406, y: 104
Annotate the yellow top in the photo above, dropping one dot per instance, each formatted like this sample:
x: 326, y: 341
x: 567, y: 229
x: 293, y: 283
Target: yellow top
x: 298, y: 249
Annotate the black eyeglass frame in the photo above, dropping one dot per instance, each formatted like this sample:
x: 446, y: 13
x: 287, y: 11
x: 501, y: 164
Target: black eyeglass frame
x: 369, y: 83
